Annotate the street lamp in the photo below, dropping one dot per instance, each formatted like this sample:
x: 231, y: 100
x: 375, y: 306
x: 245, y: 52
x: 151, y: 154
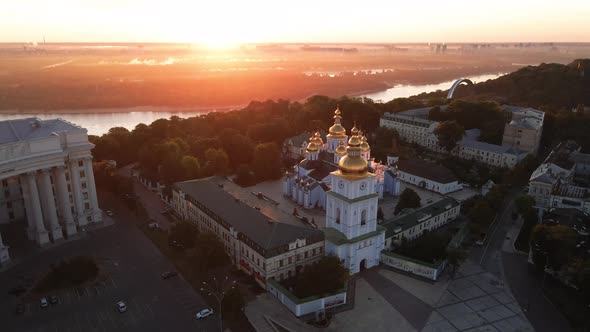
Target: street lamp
x: 218, y: 289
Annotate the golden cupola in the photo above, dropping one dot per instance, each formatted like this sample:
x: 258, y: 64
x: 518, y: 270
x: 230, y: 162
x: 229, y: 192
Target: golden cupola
x: 312, y: 147
x: 337, y: 130
x: 353, y: 163
x: 341, y: 149
x: 364, y: 145
x: 317, y: 139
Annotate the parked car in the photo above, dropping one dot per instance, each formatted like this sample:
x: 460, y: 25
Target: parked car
x: 204, y: 313
x: 43, y: 302
x: 54, y: 299
x: 169, y: 274
x: 154, y: 225
x: 110, y: 213
x: 20, y: 309
x: 121, y: 306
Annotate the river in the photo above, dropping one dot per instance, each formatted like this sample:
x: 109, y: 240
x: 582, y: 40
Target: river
x: 99, y: 123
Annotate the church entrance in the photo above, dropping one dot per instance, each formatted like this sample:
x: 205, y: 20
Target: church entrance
x: 363, y: 265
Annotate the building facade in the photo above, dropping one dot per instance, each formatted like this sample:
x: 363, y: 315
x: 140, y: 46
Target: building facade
x: 562, y: 180
x: 521, y: 135
x: 46, y: 178
x: 413, y: 223
x: 428, y: 175
x: 352, y: 233
x: 256, y: 244
x: 309, y: 181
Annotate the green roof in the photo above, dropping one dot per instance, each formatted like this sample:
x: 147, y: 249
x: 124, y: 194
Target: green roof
x: 297, y: 300
x: 354, y: 200
x: 413, y: 217
x: 338, y: 238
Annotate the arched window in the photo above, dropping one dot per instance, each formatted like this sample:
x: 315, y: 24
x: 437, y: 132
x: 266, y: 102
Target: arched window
x: 363, y: 217
x: 337, y: 215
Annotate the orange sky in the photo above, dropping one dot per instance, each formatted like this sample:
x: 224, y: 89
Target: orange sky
x: 228, y: 22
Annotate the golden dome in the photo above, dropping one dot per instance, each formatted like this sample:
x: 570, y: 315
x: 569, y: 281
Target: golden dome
x: 337, y: 129
x: 317, y: 139
x: 354, y: 131
x: 364, y: 145
x: 341, y: 149
x: 352, y: 165
x: 354, y: 141
x: 312, y: 147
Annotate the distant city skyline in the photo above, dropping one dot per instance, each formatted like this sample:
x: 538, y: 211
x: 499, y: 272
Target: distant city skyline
x: 232, y: 22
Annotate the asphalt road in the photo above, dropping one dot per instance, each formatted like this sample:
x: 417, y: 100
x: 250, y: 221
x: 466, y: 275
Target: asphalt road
x: 131, y: 266
x: 513, y: 269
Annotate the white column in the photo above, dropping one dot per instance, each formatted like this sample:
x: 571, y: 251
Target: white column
x: 63, y: 199
x: 48, y: 203
x: 4, y: 256
x: 77, y: 193
x: 96, y: 213
x: 41, y: 235
x: 24, y: 183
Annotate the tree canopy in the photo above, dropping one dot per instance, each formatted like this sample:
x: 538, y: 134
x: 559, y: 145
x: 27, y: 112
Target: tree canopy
x: 448, y: 134
x: 408, y: 199
x: 321, y: 278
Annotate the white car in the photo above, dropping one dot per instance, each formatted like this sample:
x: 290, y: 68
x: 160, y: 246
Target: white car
x: 43, y: 302
x: 204, y: 313
x: 121, y: 306
x: 110, y: 213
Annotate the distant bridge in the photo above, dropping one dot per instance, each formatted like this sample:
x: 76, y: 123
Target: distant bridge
x: 456, y: 84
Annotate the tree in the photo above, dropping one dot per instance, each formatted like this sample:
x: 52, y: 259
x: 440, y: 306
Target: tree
x: 183, y: 234
x: 448, y: 134
x: 321, y: 278
x: 455, y: 257
x: 209, y: 253
x: 266, y: 162
x: 524, y: 203
x: 244, y: 176
x: 408, y: 199
x: 435, y: 114
x: 232, y: 304
x: 217, y: 161
x: 481, y: 215
x: 557, y: 241
x: 191, y: 167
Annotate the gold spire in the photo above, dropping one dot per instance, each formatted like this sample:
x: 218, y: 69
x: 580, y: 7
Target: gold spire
x: 337, y: 130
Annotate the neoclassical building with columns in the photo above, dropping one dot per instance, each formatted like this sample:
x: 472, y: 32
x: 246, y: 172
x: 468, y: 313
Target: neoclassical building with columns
x: 46, y: 178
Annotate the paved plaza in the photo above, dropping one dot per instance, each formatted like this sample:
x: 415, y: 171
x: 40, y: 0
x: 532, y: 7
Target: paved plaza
x: 386, y: 300
x: 130, y: 267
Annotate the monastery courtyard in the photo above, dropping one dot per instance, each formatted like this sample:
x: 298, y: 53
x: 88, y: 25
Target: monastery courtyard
x: 283, y: 212
x: 474, y: 300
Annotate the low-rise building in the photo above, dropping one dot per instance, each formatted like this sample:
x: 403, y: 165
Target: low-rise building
x: 561, y: 181
x: 256, y: 244
x: 521, y: 135
x: 412, y: 223
x: 429, y: 176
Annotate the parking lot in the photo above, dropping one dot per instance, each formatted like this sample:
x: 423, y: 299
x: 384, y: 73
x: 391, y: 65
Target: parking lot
x: 130, y: 271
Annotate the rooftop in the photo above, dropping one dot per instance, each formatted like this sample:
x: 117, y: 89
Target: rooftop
x: 427, y: 170
x: 269, y: 235
x: 413, y: 217
x: 12, y: 131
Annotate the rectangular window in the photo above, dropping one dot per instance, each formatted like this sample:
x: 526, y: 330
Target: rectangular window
x: 83, y: 185
x: 290, y: 261
x: 86, y: 206
x: 85, y: 195
x: 11, y: 215
x: 82, y: 174
x: 8, y: 205
x: 281, y: 264
x: 80, y: 163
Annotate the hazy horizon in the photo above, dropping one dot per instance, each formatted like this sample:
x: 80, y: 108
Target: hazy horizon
x: 264, y: 21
